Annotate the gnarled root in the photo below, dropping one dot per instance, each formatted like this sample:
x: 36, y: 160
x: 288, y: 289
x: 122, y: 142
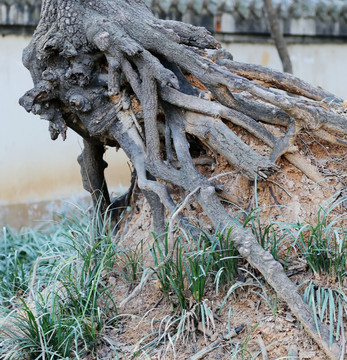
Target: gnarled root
x: 92, y: 172
x: 118, y: 76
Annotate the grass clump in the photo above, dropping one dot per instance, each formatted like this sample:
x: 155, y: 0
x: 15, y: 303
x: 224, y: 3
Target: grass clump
x: 226, y: 258
x: 193, y: 266
x: 65, y: 313
x: 18, y: 254
x: 38, y: 330
x: 323, y: 244
x: 171, y: 276
x: 69, y: 308
x: 130, y: 263
x: 328, y: 305
x: 194, y: 261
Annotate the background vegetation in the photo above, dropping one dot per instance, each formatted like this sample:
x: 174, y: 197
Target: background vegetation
x: 57, y: 301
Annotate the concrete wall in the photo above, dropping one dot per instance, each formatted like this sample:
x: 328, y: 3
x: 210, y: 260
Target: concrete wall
x: 32, y: 167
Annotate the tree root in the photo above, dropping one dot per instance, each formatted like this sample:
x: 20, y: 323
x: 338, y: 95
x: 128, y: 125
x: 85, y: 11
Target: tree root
x: 278, y: 80
x: 92, y: 172
x: 119, y: 77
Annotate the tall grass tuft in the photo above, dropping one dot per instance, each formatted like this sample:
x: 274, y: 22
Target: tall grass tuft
x: 171, y: 276
x: 329, y: 306
x: 323, y: 243
x: 131, y: 263
x: 18, y: 254
x: 195, y: 261
x: 38, y: 330
x: 65, y: 314
x: 226, y: 258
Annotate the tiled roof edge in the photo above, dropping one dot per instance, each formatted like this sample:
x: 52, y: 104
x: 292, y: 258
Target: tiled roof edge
x: 249, y: 9
x: 304, y: 17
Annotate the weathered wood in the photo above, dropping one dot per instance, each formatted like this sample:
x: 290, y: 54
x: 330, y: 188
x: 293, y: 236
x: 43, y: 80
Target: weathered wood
x: 278, y: 37
x: 278, y: 80
x: 92, y: 171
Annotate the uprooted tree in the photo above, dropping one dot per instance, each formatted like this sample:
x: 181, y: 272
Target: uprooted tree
x: 118, y: 76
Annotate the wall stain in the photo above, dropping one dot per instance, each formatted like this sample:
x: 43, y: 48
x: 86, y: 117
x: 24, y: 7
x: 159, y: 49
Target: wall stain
x: 28, y: 198
x: 265, y: 58
x: 34, y: 214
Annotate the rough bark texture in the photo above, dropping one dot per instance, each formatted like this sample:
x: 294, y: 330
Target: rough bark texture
x: 112, y: 72
x: 278, y: 37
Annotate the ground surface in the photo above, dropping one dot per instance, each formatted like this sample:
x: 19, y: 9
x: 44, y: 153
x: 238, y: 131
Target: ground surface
x: 251, y: 323
x: 288, y: 197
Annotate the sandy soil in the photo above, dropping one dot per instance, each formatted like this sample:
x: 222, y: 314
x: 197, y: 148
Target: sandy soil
x: 288, y: 197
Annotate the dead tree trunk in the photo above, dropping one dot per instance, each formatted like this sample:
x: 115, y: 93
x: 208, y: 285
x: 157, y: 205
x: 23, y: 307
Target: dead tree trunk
x: 278, y: 37
x: 93, y: 62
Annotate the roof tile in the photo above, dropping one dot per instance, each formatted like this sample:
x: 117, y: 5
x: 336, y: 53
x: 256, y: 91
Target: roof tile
x: 330, y: 14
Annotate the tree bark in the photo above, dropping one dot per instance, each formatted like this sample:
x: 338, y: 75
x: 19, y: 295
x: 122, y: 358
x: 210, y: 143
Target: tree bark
x: 112, y: 72
x: 278, y: 37
x: 92, y: 172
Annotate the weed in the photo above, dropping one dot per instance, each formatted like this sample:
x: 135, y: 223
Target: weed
x: 18, y: 253
x: 328, y: 306
x: 324, y: 244
x: 269, y: 300
x: 130, y: 263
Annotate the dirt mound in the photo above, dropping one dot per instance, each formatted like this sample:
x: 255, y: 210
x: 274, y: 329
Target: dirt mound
x: 148, y: 324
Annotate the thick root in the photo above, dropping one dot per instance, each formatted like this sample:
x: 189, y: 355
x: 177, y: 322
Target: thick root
x: 118, y: 76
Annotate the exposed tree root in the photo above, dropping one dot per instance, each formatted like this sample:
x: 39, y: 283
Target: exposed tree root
x: 92, y: 170
x: 94, y: 62
x: 278, y: 80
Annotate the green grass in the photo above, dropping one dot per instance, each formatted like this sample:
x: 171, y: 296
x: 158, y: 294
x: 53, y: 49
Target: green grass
x: 323, y: 243
x: 37, y: 329
x: 130, y: 263
x: 65, y: 311
x: 69, y: 306
x: 271, y: 237
x: 198, y: 263
x: 328, y: 305
x: 226, y: 258
x: 194, y: 263
x: 172, y: 275
x: 18, y: 253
